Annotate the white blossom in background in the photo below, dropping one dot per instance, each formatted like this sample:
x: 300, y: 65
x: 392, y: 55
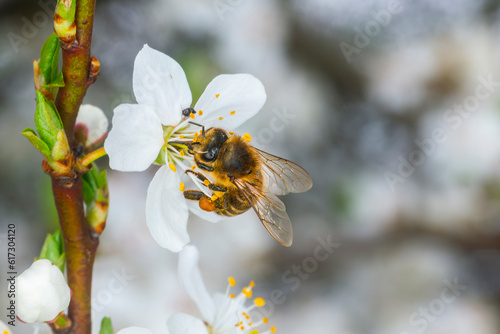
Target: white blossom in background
x: 148, y: 132
x: 4, y: 329
x: 222, y: 313
x: 42, y: 292
x: 93, y: 123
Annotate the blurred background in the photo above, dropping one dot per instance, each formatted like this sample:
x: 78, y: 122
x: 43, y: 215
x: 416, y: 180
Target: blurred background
x: 392, y: 107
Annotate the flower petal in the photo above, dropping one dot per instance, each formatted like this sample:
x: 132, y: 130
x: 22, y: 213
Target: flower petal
x: 160, y: 82
x: 4, y: 329
x: 166, y: 211
x: 134, y: 330
x: 42, y: 292
x: 190, y: 277
x: 135, y: 139
x: 234, y: 97
x: 94, y: 120
x: 182, y: 323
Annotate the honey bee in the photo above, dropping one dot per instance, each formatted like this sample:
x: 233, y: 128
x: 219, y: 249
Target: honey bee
x: 245, y: 177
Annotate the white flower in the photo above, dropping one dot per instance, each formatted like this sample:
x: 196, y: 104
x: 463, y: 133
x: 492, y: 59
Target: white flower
x: 92, y: 124
x: 145, y: 133
x: 4, y: 329
x: 222, y: 314
x: 42, y: 292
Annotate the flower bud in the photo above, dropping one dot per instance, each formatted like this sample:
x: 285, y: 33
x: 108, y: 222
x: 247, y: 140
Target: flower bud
x: 91, y: 127
x: 64, y: 21
x: 42, y: 292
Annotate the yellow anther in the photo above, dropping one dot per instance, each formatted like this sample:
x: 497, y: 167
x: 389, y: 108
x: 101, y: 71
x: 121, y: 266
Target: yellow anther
x: 265, y: 320
x: 250, y: 325
x: 217, y: 96
x: 232, y: 296
x: 231, y: 281
x: 231, y: 133
x: 221, y: 118
x: 242, y: 327
x: 182, y: 153
x: 259, y: 302
x: 195, y: 134
x: 182, y: 187
x: 200, y: 112
x: 247, y: 292
x: 172, y: 167
x: 273, y: 329
x: 206, y: 182
x: 232, y: 112
x: 252, y: 284
x: 247, y: 137
x: 193, y: 167
x: 247, y: 317
x: 191, y: 115
x: 181, y: 136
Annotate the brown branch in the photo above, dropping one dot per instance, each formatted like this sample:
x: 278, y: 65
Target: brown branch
x: 80, y: 247
x: 76, y: 67
x: 79, y: 243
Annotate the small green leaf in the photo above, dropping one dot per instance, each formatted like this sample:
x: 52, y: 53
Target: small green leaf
x: 61, y: 149
x: 47, y: 120
x: 88, y: 190
x: 102, y: 180
x: 49, y: 59
x: 36, y: 141
x: 61, y: 261
x: 57, y: 236
x: 58, y: 82
x: 106, y: 326
x: 53, y: 250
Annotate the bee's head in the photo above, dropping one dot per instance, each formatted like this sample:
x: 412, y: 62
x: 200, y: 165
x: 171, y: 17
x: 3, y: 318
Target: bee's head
x: 206, y: 147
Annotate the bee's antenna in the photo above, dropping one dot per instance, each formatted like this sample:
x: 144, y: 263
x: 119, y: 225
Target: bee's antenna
x: 202, y: 127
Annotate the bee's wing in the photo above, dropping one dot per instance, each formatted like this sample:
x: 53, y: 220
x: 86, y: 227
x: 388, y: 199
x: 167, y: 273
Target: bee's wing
x: 281, y: 176
x: 271, y: 212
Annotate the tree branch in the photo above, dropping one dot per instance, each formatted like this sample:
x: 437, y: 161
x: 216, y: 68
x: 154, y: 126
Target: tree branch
x: 79, y: 243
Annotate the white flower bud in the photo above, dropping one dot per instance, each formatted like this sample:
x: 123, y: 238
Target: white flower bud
x: 42, y: 292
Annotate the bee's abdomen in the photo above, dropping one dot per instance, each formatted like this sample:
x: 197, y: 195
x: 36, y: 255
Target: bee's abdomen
x: 236, y: 204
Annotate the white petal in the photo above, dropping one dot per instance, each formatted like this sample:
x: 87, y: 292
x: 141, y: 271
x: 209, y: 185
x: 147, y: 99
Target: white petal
x: 166, y: 210
x: 242, y: 93
x: 134, y: 330
x: 135, y: 139
x: 190, y: 277
x: 42, y: 292
x: 95, y: 122
x: 182, y: 323
x: 4, y: 329
x: 160, y: 82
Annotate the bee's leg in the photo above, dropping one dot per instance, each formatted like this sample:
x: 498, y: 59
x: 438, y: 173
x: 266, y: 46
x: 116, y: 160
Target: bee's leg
x: 206, y: 182
x: 193, y: 195
x: 204, y: 201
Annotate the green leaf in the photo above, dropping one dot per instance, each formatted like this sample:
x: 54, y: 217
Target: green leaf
x: 36, y: 141
x: 49, y: 59
x: 102, y: 180
x: 47, y: 120
x: 53, y: 250
x: 106, y: 326
x: 61, y: 261
x: 57, y: 236
x: 58, y: 82
x: 88, y: 189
